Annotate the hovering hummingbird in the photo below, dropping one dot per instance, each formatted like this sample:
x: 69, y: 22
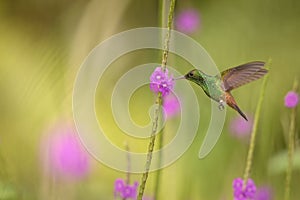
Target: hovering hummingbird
x: 218, y: 87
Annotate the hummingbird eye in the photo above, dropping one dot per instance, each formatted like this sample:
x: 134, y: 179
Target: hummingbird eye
x: 191, y: 74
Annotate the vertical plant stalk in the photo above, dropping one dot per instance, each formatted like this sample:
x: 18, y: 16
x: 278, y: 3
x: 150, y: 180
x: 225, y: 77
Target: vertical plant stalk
x: 128, y: 166
x: 291, y: 148
x: 159, y: 171
x: 150, y: 148
x: 168, y: 35
x: 158, y: 103
x: 254, y: 130
x: 162, y: 6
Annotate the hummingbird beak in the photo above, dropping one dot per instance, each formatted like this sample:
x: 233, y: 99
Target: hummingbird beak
x: 180, y: 77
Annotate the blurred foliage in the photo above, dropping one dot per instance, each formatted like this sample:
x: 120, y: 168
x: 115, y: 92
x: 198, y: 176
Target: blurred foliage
x: 278, y: 163
x: 43, y: 44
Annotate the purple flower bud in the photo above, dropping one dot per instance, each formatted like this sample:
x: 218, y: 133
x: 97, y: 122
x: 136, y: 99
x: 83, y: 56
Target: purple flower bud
x: 264, y: 193
x: 188, y: 21
x: 171, y: 105
x: 291, y: 99
x: 241, y: 128
x: 119, y: 185
x: 63, y: 154
x: 125, y: 190
x: 241, y: 193
x: 250, y: 189
x: 161, y: 82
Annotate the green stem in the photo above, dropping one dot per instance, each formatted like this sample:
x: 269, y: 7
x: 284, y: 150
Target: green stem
x: 291, y: 148
x: 254, y: 131
x: 158, y: 103
x: 168, y: 35
x: 128, y: 166
x: 162, y: 5
x: 150, y: 148
x: 159, y: 171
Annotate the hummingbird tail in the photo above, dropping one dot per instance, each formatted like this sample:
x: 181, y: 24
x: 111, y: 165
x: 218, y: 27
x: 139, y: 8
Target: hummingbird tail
x: 240, y: 112
x: 231, y: 102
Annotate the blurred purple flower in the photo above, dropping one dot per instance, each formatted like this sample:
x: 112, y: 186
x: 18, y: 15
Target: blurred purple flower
x: 188, y: 21
x: 241, y: 128
x: 248, y: 193
x: 63, y: 155
x: 263, y: 193
x: 119, y: 185
x: 124, y: 190
x: 161, y: 82
x: 291, y: 99
x: 171, y: 105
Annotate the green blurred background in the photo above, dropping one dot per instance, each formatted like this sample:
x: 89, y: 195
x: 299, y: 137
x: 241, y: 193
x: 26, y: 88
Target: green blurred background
x: 43, y: 43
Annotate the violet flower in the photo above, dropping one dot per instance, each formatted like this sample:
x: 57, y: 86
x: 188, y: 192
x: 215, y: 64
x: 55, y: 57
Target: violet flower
x: 171, y: 105
x: 264, y: 193
x: 125, y: 190
x: 63, y: 155
x: 241, y: 128
x: 291, y: 99
x: 240, y: 193
x: 161, y: 82
x: 188, y: 21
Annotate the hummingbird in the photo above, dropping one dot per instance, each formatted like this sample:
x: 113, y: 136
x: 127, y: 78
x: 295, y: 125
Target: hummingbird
x: 219, y: 87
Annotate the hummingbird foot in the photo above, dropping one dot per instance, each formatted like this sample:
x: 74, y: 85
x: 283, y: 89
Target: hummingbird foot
x: 221, y: 105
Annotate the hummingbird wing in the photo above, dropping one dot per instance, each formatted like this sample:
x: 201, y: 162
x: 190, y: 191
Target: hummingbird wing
x: 235, y: 77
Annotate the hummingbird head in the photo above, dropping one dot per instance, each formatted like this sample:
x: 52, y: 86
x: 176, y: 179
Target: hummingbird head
x: 193, y: 75
x: 196, y: 76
